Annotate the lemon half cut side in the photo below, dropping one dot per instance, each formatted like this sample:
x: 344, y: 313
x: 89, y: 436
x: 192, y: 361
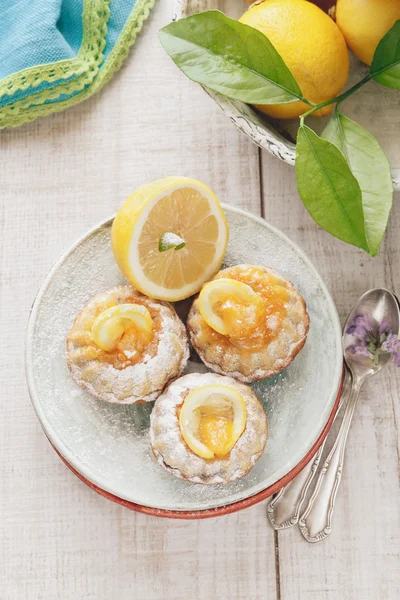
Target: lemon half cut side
x: 173, y: 206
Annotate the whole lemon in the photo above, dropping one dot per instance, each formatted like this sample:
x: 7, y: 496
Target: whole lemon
x: 312, y: 47
x: 364, y: 22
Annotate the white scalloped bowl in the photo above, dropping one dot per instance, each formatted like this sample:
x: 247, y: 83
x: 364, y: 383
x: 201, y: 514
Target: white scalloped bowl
x: 374, y: 107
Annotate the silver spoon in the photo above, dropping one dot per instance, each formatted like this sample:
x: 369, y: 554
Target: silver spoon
x: 379, y: 306
x: 284, y: 509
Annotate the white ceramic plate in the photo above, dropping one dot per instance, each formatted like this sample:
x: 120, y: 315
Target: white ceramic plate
x: 374, y: 107
x: 109, y: 445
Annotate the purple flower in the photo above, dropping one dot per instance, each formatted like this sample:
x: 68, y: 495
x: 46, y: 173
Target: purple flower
x: 371, y: 338
x: 392, y: 345
x: 384, y: 329
x: 361, y: 326
x: 360, y: 350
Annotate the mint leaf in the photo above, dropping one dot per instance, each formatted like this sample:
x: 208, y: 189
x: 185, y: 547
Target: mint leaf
x: 328, y: 188
x: 385, y: 67
x: 230, y: 58
x: 170, y: 240
x: 371, y: 168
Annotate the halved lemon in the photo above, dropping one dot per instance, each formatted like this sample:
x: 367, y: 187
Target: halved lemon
x: 230, y: 307
x: 170, y: 237
x: 212, y: 419
x: 111, y: 324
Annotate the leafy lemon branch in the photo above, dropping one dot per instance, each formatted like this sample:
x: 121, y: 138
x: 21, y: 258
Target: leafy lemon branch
x: 343, y: 176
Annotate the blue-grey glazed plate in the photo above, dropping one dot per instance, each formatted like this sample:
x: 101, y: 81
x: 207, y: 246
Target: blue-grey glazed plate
x: 108, y: 445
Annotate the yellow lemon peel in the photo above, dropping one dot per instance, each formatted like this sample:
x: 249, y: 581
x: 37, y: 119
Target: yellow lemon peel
x: 230, y: 307
x: 212, y: 419
x: 111, y: 324
x: 312, y: 46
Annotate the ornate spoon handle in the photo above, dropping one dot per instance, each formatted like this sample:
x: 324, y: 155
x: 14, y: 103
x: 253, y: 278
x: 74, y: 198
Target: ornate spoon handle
x: 316, y: 522
x: 284, y: 509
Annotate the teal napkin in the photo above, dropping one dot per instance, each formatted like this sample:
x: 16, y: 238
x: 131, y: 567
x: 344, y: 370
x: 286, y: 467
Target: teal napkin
x: 55, y: 53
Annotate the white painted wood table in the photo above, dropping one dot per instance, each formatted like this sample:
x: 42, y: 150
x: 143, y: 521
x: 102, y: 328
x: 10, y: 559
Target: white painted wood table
x: 58, y: 539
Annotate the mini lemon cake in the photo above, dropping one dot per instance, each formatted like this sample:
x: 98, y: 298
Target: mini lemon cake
x: 248, y: 323
x: 208, y: 429
x: 125, y: 348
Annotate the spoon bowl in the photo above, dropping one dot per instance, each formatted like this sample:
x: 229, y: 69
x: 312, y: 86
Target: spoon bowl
x: 373, y: 319
x: 375, y: 314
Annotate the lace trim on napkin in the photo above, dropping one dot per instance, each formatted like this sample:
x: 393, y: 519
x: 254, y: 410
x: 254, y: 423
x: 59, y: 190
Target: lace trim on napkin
x: 43, y: 103
x: 95, y: 16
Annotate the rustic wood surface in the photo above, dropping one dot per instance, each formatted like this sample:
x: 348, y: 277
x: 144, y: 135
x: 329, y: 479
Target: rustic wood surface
x: 58, y: 539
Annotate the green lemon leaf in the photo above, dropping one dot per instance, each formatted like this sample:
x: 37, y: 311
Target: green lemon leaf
x: 230, y: 58
x: 371, y: 168
x: 385, y: 67
x: 328, y: 188
x: 170, y: 240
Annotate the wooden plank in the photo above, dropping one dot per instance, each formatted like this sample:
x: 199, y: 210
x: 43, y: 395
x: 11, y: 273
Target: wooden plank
x: 61, y: 175
x: 361, y: 557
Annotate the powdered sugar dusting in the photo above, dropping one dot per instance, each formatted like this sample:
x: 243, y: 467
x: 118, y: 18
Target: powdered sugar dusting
x: 164, y: 359
x: 171, y: 450
x: 274, y: 355
x: 109, y: 443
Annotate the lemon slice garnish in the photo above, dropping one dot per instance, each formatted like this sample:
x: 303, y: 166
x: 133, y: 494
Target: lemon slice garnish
x: 111, y: 324
x: 230, y: 307
x: 170, y: 237
x: 212, y: 419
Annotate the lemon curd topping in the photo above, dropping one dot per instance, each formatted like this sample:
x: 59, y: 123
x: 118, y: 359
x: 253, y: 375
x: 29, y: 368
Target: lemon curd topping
x: 211, y: 420
x: 216, y: 433
x: 251, y: 309
x: 215, y: 438
x: 120, y: 334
